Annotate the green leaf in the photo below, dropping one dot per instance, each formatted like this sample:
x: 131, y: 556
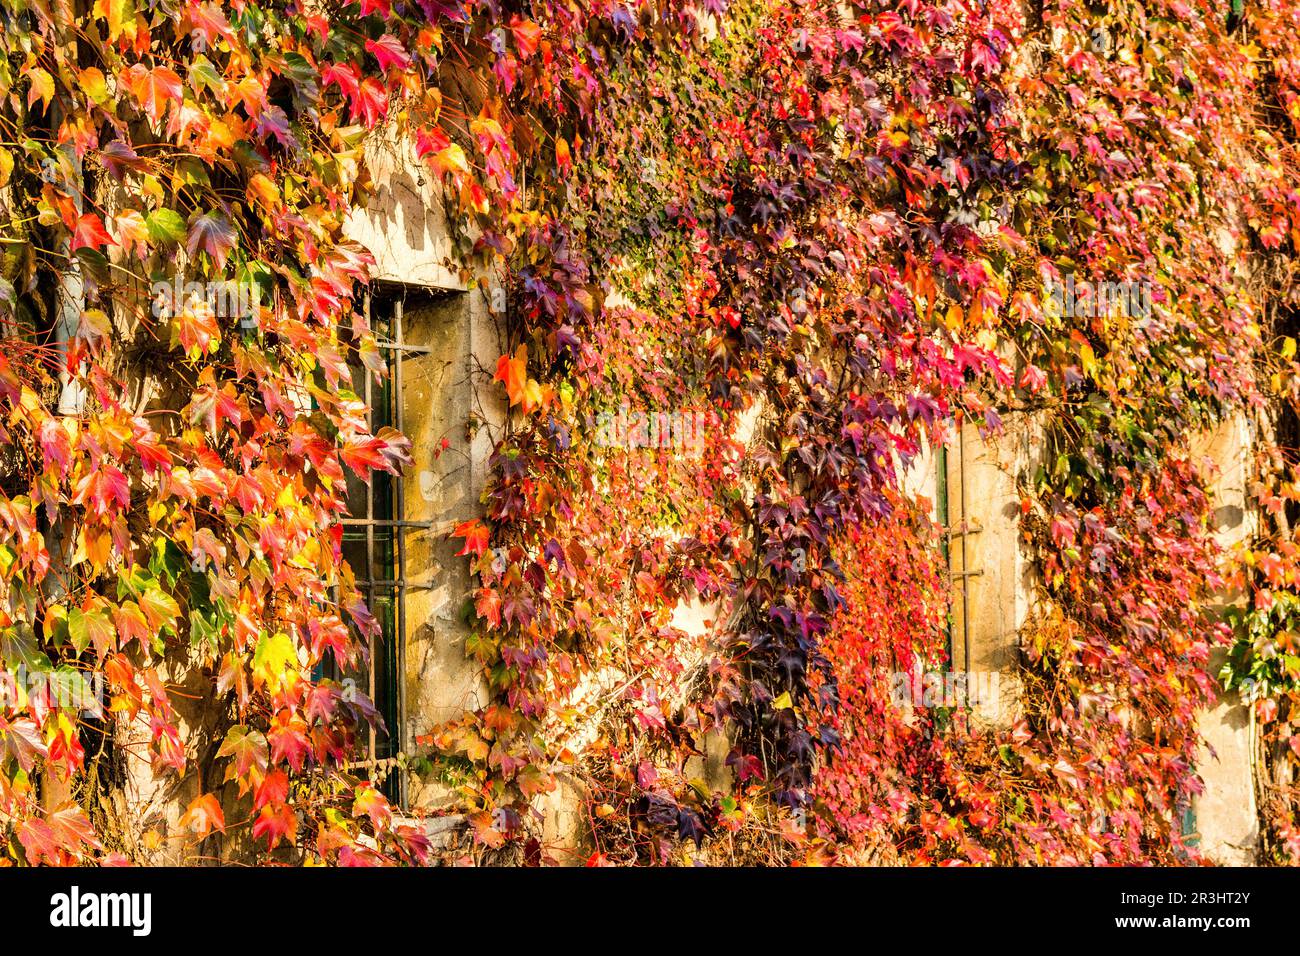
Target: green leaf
x: 160, y: 608
x: 90, y: 627
x: 205, y: 75
x: 165, y: 226
x: 18, y: 649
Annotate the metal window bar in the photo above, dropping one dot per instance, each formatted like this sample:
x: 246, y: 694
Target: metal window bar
x: 381, y: 530
x: 960, y: 529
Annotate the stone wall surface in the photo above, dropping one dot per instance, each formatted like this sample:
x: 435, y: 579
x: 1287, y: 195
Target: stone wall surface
x: 1226, y: 815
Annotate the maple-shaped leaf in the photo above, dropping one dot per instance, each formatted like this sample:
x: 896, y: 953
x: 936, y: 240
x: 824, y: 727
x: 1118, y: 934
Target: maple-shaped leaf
x: 196, y: 329
x: 288, y: 738
x: 39, y: 841
x: 248, y: 747
x: 22, y: 741
x: 512, y: 371
x: 56, y: 445
x: 527, y: 35
x: 154, y: 455
x: 275, y: 822
x: 160, y: 609
x: 275, y: 661
x: 72, y: 829
x: 389, y: 451
x: 430, y: 139
x: 203, y: 814
x: 154, y: 89
x: 118, y: 157
x: 449, y: 159
x: 66, y: 753
x: 42, y: 87
x: 533, y: 780
x: 475, y: 534
x: 165, y: 225
x: 388, y: 50
x: 487, y: 604
x: 101, y: 489
x: 208, y: 21
x: 262, y: 189
x: 93, y: 625
x: 213, y: 234
x: 131, y: 232
x: 370, y: 802
x: 371, y: 102
x: 690, y: 826
x: 132, y: 625
x: 90, y: 233
x: 272, y: 790
x: 354, y: 854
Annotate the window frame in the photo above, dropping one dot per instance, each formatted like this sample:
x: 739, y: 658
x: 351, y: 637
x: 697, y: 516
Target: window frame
x: 396, y: 524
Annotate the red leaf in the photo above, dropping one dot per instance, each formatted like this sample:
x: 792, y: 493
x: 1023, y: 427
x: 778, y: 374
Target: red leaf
x: 248, y: 747
x: 527, y: 35
x: 389, y: 51
x: 288, y: 739
x: 475, y: 534
x: 275, y: 823
x: 101, y: 488
x: 488, y: 606
x: 371, y: 101
x: 154, y: 89
x: 90, y: 232
x: 388, y: 451
x: 272, y: 791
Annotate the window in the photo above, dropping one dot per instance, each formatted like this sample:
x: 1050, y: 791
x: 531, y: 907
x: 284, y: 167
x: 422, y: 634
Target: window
x: 958, y: 527
x: 374, y: 544
x: 993, y: 580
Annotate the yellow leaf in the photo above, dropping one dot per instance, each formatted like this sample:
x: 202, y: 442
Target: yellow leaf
x: 1087, y: 360
x: 42, y: 87
x: 93, y: 84
x: 450, y: 160
x: 783, y: 702
x: 262, y: 189
x: 275, y: 662
x: 119, y: 14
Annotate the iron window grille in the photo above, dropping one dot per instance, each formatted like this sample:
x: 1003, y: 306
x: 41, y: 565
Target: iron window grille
x: 374, y: 544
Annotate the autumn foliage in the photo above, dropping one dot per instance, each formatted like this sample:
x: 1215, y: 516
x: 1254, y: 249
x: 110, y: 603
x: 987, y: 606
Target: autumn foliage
x: 823, y: 228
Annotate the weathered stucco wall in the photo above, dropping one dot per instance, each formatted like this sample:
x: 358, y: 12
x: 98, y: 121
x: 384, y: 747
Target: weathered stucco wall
x: 443, y: 396
x: 403, y: 224
x: 993, y: 575
x: 1226, y: 814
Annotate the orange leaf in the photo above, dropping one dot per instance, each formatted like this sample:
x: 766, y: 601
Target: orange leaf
x: 203, y: 814
x: 513, y: 372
